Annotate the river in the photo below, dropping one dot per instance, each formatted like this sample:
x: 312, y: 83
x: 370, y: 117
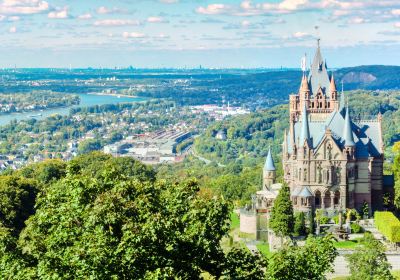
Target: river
x: 87, y: 100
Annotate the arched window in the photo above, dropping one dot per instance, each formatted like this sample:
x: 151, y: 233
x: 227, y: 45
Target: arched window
x: 327, y: 199
x: 317, y: 199
x: 336, y: 199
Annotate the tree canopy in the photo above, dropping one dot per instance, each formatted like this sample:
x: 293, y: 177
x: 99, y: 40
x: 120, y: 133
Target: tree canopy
x: 369, y: 261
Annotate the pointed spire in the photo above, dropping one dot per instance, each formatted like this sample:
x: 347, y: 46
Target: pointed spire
x: 269, y: 162
x: 332, y: 87
x: 318, y: 76
x: 348, y: 132
x: 285, y: 143
x: 304, y: 84
x: 342, y: 101
x: 305, y: 131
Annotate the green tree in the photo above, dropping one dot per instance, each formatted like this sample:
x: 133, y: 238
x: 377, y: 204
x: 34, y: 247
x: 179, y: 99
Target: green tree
x: 369, y: 261
x: 89, y: 145
x: 311, y: 261
x: 118, y: 227
x: 300, y: 224
x: 17, y: 200
x: 282, y: 219
x: 241, y: 264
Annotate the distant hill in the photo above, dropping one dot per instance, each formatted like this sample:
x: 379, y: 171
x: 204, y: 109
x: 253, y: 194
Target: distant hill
x: 372, y: 77
x: 252, y: 88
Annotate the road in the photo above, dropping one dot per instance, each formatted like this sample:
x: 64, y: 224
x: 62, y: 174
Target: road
x: 206, y: 161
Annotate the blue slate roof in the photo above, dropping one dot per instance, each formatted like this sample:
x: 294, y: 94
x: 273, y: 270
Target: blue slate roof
x: 347, y: 131
x: 366, y: 134
x: 305, y: 131
x: 269, y: 162
x: 305, y: 192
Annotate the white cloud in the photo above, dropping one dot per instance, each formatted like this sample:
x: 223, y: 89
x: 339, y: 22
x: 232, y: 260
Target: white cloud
x: 12, y: 29
x: 169, y: 1
x: 116, y: 22
x: 85, y: 16
x: 300, y: 34
x: 104, y: 10
x: 395, y: 12
x: 245, y: 23
x: 155, y: 19
x: 357, y: 20
x: 60, y: 14
x: 397, y: 24
x: 213, y: 9
x: 135, y: 35
x: 23, y: 7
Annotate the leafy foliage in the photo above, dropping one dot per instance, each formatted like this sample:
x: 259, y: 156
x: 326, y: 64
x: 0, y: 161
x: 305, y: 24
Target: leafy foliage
x: 388, y: 225
x: 369, y: 261
x: 109, y: 218
x: 312, y: 261
x: 243, y: 265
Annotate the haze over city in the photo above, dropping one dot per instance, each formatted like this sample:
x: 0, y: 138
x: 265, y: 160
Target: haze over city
x: 189, y: 33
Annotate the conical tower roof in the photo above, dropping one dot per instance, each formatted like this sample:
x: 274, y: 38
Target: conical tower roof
x: 348, y: 132
x: 318, y: 76
x: 332, y: 87
x: 269, y: 162
x: 305, y: 130
x: 304, y: 84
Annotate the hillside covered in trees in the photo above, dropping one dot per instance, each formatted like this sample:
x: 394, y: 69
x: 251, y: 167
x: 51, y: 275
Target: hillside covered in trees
x: 249, y: 137
x: 99, y: 217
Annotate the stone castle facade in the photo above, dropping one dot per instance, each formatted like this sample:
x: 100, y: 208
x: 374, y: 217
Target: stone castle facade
x: 330, y: 160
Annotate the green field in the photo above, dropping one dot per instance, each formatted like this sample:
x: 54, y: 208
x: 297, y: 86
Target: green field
x: 348, y: 244
x: 264, y: 249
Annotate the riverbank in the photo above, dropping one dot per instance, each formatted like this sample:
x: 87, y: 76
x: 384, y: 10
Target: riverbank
x: 113, y: 94
x: 86, y: 100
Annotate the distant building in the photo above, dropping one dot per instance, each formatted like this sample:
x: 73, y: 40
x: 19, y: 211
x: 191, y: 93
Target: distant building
x: 221, y: 135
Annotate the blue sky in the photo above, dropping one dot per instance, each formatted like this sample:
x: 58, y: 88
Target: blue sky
x: 189, y: 33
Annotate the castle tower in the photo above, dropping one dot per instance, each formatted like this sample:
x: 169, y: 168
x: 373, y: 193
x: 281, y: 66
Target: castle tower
x: 348, y: 135
x: 269, y: 171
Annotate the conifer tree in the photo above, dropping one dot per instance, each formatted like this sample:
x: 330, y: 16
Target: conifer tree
x: 300, y: 224
x: 282, y: 219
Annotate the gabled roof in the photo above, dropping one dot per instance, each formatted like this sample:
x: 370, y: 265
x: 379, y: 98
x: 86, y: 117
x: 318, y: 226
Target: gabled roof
x: 305, y: 192
x: 269, y: 162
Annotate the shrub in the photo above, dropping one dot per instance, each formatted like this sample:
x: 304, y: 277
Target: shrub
x: 356, y: 228
x: 335, y: 219
x: 324, y: 220
x: 388, y: 225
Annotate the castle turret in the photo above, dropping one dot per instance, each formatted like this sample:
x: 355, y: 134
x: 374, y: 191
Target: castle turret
x: 304, y: 88
x: 305, y: 131
x: 269, y: 171
x: 349, y: 143
x: 332, y: 88
x: 347, y: 131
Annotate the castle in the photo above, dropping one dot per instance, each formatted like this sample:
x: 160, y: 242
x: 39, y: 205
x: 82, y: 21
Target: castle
x: 330, y: 160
